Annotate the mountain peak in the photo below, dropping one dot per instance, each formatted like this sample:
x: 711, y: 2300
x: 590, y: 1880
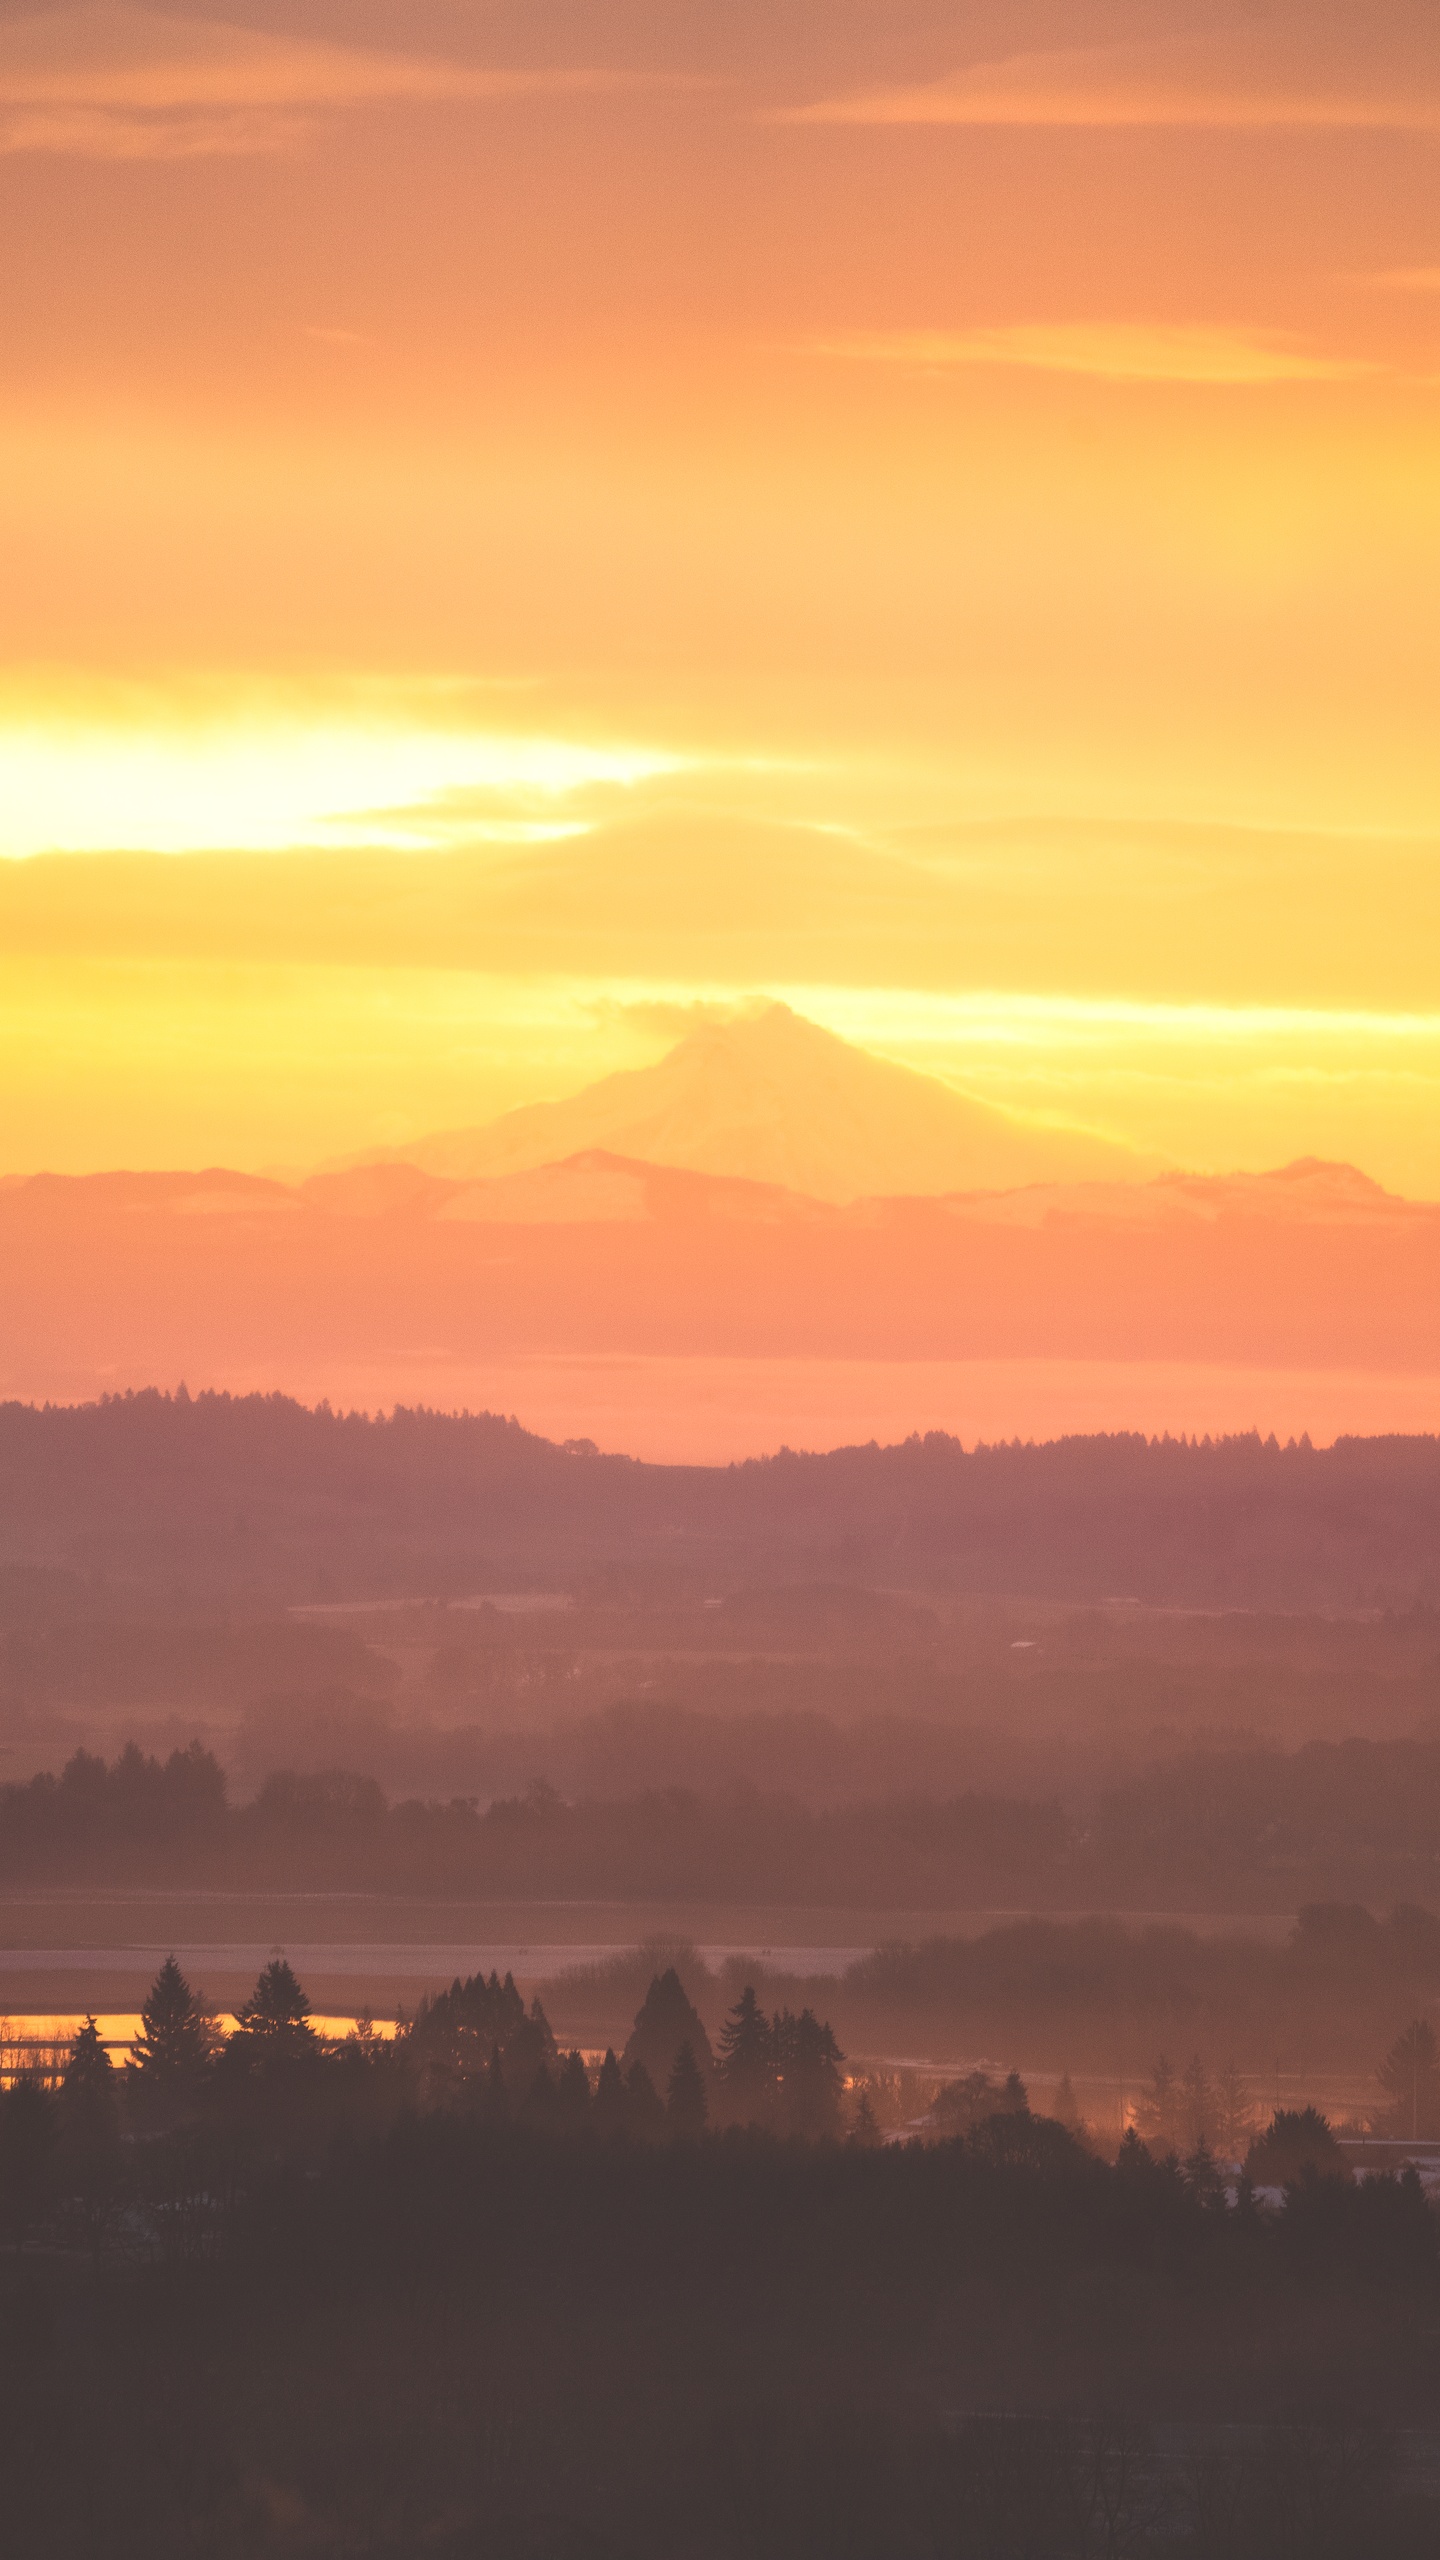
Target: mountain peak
x: 769, y: 1096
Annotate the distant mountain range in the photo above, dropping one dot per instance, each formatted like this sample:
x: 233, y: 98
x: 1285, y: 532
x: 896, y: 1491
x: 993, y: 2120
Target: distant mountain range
x: 459, y: 1273
x: 773, y: 1098
x: 402, y: 1276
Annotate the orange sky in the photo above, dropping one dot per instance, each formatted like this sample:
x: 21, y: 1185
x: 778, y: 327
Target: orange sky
x: 518, y: 519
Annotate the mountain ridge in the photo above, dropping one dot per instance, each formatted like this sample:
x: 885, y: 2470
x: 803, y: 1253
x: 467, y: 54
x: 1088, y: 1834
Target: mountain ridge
x: 772, y: 1097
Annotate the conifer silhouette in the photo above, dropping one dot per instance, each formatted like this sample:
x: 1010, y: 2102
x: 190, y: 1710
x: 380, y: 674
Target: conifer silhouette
x: 666, y: 2019
x: 574, y: 2092
x: 609, y: 2112
x: 746, y: 2065
x: 276, y: 2017
x: 685, y: 2103
x: 171, y: 2055
x: 644, y: 2106
x: 90, y: 2130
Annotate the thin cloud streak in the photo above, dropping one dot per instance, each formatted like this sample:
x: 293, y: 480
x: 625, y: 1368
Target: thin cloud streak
x: 100, y: 133
x: 1402, y: 280
x: 1257, y: 82
x: 126, y: 84
x: 1118, y: 351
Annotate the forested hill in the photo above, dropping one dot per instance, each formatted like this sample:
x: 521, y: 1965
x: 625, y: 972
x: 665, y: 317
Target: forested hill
x: 261, y: 1494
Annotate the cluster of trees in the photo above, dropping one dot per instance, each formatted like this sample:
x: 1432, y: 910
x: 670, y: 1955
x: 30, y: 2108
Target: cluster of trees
x: 452, y: 2338
x: 1216, y: 1824
x: 1096, y: 1995
x: 1213, y: 1811
x: 476, y: 2052
x: 1196, y: 2110
x: 430, y: 2296
x: 1202, y: 2112
x: 170, y: 1820
x: 1410, y: 2081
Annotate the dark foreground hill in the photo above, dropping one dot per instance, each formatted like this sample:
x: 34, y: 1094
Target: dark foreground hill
x: 260, y: 1495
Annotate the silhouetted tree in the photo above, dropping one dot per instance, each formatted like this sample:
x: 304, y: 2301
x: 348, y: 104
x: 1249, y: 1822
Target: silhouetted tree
x: 168, y: 2062
x: 1203, y: 2179
x: 1065, y: 2106
x: 574, y: 2093
x: 685, y: 2102
x: 89, y: 2117
x: 609, y: 2113
x: 864, y: 2131
x: 746, y: 2064
x: 644, y: 2106
x: 965, y: 2102
x: 455, y: 2037
x: 1157, y: 2114
x: 1134, y: 2161
x: 1234, y: 2114
x: 1019, y: 2140
x: 1197, y: 2107
x: 1410, y: 2078
x: 1294, y: 2142
x: 275, y: 2020
x: 809, y: 2075
x: 666, y: 2019
x: 266, y: 2077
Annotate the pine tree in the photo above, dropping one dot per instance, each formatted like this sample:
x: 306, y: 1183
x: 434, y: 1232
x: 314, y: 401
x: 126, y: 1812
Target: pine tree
x: 276, y: 2017
x: 90, y: 2130
x: 1014, y: 2097
x: 1410, y: 2078
x: 685, y: 2104
x: 609, y: 2114
x: 809, y: 2074
x: 1293, y: 2143
x: 171, y: 2055
x: 1065, y: 2106
x: 1234, y: 2114
x: 574, y: 2092
x: 666, y: 2019
x: 450, y: 2047
x: 644, y: 2106
x: 746, y: 2066
x: 864, y: 2131
x: 1156, y: 2112
x: 1197, y: 2107
x: 1203, y: 2178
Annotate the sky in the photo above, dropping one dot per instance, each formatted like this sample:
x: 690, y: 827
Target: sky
x: 521, y: 520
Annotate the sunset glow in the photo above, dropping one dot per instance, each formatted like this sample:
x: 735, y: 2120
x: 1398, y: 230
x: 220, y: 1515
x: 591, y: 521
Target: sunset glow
x: 515, y: 534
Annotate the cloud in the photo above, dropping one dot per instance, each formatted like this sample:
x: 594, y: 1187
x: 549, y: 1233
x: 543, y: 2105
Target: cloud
x: 1275, y: 76
x: 130, y: 84
x: 1107, y: 351
x: 1403, y: 280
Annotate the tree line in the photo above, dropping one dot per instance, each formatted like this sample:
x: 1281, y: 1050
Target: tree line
x: 479, y: 2053
x: 458, y: 2292
x: 72, y: 2123
x: 142, y: 1818
x: 261, y: 1489
x: 1210, y: 1822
